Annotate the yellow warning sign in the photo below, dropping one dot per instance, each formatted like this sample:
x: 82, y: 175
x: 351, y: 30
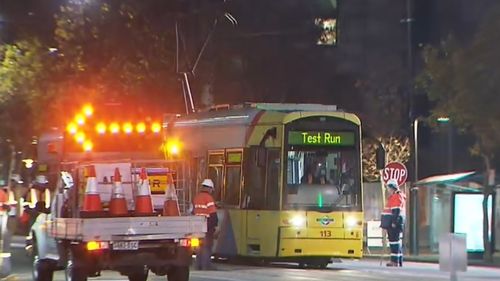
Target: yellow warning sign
x: 158, y: 184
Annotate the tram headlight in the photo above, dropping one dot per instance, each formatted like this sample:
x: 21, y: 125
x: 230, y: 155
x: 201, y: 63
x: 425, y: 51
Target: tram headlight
x: 298, y: 221
x: 351, y: 222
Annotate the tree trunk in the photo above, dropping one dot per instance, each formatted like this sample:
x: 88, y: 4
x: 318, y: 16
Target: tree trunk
x: 487, y: 256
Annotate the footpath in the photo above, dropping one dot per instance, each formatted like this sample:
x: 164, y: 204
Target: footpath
x: 434, y: 258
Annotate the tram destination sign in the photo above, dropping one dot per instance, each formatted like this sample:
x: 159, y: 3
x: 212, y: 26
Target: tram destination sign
x: 323, y: 138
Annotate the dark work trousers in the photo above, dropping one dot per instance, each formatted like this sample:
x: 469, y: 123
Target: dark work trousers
x: 395, y: 244
x: 204, y: 257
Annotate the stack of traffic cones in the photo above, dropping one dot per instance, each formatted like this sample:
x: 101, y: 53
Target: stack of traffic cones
x: 118, y: 203
x: 92, y: 200
x: 143, y: 202
x: 171, y: 204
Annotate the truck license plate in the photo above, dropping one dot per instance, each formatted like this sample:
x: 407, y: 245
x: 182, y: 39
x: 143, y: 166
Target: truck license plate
x: 125, y: 245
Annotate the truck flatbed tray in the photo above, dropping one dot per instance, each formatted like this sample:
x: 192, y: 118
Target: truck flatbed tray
x: 127, y: 228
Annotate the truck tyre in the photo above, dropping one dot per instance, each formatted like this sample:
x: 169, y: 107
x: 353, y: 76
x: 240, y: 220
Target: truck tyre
x: 72, y: 272
x: 178, y: 273
x: 139, y: 276
x: 42, y: 270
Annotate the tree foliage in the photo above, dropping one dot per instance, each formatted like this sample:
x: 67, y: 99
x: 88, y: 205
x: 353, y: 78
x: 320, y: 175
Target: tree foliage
x: 398, y: 149
x: 100, y: 51
x: 385, y: 116
x: 463, y: 83
x: 23, y: 74
x: 117, y: 49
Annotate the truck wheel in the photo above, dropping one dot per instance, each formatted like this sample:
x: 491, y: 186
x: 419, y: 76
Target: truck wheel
x: 139, y: 276
x: 178, y: 273
x: 42, y: 270
x: 72, y: 272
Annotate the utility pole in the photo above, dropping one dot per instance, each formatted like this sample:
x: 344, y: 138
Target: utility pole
x: 408, y: 20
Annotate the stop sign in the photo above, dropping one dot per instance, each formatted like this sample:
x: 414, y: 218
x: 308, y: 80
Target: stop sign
x: 395, y: 170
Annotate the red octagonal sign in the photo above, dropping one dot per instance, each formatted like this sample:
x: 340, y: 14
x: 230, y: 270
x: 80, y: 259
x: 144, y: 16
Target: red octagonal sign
x: 395, y: 170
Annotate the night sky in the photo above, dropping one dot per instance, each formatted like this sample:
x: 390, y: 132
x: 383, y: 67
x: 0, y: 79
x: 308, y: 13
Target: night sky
x: 272, y: 54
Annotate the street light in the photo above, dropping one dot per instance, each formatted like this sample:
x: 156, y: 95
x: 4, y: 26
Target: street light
x: 445, y: 121
x: 414, y: 193
x: 414, y: 247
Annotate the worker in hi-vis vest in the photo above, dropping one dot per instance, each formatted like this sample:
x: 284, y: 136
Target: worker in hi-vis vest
x: 204, y: 205
x: 393, y: 221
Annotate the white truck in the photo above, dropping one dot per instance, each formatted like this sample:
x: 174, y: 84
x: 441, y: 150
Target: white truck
x: 62, y: 239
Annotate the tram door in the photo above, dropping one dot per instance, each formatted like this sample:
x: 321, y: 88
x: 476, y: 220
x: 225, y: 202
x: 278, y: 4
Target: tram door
x: 262, y: 223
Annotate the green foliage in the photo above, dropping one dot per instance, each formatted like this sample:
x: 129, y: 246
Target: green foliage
x: 384, y: 99
x: 23, y: 74
x: 114, y: 50
x: 397, y: 149
x: 21, y: 68
x: 463, y: 83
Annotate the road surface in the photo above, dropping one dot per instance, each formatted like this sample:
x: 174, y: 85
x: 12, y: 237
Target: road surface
x: 340, y: 271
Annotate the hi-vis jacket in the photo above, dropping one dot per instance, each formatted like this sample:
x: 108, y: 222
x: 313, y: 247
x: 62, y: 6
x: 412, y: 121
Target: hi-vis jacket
x: 394, y: 210
x: 204, y: 205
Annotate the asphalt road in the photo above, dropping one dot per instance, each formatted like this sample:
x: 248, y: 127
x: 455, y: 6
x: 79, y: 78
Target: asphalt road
x: 344, y: 270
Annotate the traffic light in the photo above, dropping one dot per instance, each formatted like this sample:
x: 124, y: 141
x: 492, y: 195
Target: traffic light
x: 380, y: 157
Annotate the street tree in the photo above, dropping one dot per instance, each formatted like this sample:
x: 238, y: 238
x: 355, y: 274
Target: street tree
x: 22, y: 74
x: 463, y: 82
x: 385, y: 116
x: 116, y: 50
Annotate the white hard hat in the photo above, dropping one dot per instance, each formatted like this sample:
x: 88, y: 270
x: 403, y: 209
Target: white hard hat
x: 67, y: 179
x: 392, y: 183
x: 208, y: 183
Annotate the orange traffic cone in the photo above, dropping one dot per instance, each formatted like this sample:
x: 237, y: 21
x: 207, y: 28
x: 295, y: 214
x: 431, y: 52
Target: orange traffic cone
x: 92, y: 199
x: 143, y: 203
x: 171, y: 205
x: 118, y: 203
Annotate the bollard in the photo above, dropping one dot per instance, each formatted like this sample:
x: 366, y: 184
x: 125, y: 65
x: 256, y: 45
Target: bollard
x: 453, y: 254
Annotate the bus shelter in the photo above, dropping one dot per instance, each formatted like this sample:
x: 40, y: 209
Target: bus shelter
x: 453, y: 203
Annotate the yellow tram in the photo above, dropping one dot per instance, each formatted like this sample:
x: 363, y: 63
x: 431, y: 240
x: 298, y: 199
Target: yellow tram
x: 288, y: 179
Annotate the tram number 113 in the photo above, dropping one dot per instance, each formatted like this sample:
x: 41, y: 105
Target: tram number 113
x: 325, y: 233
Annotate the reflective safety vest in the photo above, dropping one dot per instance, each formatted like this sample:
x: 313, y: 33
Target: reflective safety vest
x: 4, y: 198
x: 395, y: 203
x: 204, y: 204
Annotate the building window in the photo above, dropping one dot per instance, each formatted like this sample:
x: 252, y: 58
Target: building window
x: 327, y: 31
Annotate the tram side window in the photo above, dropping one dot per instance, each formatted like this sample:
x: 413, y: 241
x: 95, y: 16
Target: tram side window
x: 232, y: 187
x: 232, y: 191
x: 200, y: 172
x: 215, y: 172
x: 272, y: 180
x: 254, y: 196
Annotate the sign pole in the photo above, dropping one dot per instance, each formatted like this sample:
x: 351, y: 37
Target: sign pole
x: 384, y: 232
